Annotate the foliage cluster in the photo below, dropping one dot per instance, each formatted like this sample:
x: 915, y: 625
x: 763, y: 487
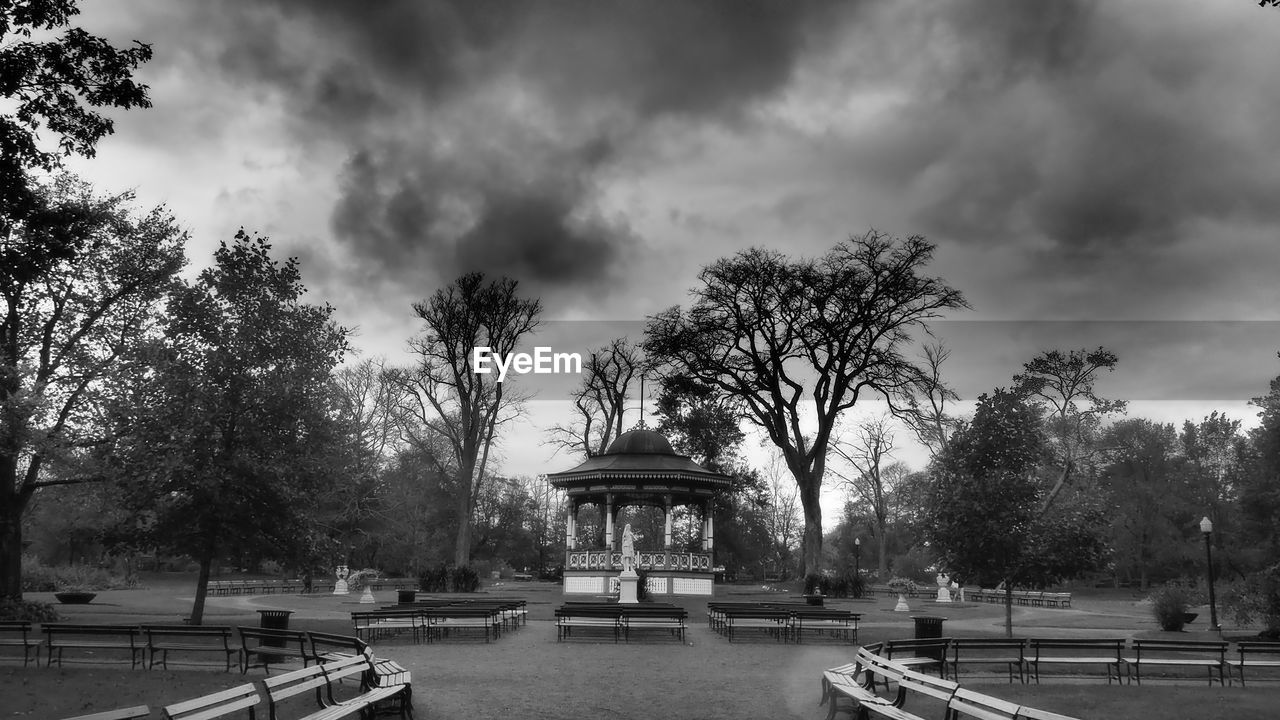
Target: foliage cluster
x: 1256, y: 598
x: 28, y: 610
x: 902, y: 586
x: 434, y: 579
x: 464, y: 579
x: 1171, y: 602
x: 841, y: 585
x: 361, y: 579
x: 38, y: 577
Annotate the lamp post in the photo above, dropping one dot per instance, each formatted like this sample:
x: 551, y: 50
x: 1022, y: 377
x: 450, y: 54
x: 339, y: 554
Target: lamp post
x: 857, y: 562
x: 1206, y: 527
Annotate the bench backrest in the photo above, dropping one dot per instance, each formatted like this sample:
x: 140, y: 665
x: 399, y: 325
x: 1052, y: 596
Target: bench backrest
x: 935, y: 687
x: 968, y: 703
x: 1218, y: 647
x: 282, y: 687
x: 322, y: 643
x: 1083, y: 645
x: 188, y: 631
x: 137, y: 712
x: 1258, y: 647
x: 921, y: 647
x: 217, y: 705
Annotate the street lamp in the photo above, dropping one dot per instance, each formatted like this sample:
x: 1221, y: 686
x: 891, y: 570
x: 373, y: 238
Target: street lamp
x: 857, y: 562
x: 1206, y: 527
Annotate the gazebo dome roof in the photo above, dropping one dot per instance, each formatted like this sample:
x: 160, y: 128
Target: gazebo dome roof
x: 640, y: 463
x: 640, y: 441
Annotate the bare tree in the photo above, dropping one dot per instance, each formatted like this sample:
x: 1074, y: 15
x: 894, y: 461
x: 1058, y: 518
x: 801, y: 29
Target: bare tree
x: 600, y: 399
x: 867, y: 454
x: 782, y: 518
x: 1064, y: 382
x: 796, y: 343
x: 446, y: 397
x: 925, y: 409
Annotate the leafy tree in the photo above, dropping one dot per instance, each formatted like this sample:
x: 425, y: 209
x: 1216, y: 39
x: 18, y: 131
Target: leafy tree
x: 1144, y: 483
x: 81, y: 277
x: 234, y: 430
x: 444, y: 397
x: 1259, y: 492
x: 600, y: 400
x: 53, y: 83
x: 983, y: 515
x: 797, y: 342
x: 1063, y: 382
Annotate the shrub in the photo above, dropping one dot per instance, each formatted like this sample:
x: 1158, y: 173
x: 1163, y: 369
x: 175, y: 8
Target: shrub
x: 902, y: 586
x: 1170, y: 603
x: 434, y: 580
x: 38, y: 577
x: 1256, y: 598
x: 642, y: 585
x: 817, y: 584
x: 847, y: 585
x: 29, y: 610
x: 464, y: 579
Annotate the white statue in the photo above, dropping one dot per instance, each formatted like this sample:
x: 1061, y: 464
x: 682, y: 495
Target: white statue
x: 628, y: 549
x: 944, y: 593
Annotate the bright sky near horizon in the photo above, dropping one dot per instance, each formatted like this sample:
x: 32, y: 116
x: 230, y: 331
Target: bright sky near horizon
x: 1092, y: 173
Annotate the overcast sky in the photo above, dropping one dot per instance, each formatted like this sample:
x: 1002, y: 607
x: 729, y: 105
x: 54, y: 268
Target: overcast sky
x: 1116, y: 165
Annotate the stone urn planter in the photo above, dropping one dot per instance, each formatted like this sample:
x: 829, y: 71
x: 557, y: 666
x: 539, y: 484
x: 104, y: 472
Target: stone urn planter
x: 75, y: 597
x: 902, y: 604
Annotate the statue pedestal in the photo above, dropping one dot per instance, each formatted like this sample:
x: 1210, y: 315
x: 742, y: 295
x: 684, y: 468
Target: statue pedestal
x: 944, y: 595
x: 628, y: 582
x: 340, y: 588
x: 367, y: 597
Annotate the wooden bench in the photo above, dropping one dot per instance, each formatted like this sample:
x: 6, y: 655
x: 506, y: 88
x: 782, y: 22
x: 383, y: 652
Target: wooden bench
x: 1010, y: 652
x: 63, y: 636
x: 919, y: 653
x: 215, y: 705
x: 374, y: 624
x: 329, y: 646
x: 914, y: 687
x: 1075, y: 651
x: 842, y: 683
x: 1254, y: 654
x: 840, y: 624
x: 588, y: 617
x: 773, y: 621
x: 270, y: 645
x: 17, y: 633
x: 161, y: 639
x: 137, y: 712
x: 1210, y: 654
x: 670, y: 618
x: 969, y: 704
x: 321, y: 683
x: 441, y: 622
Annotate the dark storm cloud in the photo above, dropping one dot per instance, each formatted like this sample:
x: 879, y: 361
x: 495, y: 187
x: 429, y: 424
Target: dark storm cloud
x: 1135, y: 138
x: 478, y: 132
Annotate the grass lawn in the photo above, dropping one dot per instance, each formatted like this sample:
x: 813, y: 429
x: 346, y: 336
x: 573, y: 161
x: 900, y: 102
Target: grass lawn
x: 527, y: 674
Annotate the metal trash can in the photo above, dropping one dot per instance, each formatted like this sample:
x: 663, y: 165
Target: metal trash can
x: 928, y: 626
x: 274, y: 620
x: 406, y: 597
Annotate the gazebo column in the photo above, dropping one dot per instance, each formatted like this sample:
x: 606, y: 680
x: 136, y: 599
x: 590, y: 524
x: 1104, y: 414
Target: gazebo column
x: 608, y: 522
x: 666, y: 517
x: 708, y: 528
x: 571, y: 526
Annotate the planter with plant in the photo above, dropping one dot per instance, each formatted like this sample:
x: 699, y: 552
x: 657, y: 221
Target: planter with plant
x: 903, y: 587
x: 362, y: 581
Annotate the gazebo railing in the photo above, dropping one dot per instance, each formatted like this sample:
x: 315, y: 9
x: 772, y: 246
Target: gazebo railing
x: 660, y: 560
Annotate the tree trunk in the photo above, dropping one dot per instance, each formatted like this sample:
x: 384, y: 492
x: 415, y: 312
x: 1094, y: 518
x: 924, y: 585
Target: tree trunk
x: 202, y: 589
x: 1008, y: 609
x: 462, y: 545
x: 882, y: 561
x: 11, y: 551
x: 810, y: 501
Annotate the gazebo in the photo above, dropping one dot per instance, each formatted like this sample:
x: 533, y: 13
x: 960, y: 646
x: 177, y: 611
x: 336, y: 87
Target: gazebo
x: 640, y: 469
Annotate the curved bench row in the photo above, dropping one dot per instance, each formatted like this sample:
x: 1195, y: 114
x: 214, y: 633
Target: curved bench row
x: 323, y: 691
